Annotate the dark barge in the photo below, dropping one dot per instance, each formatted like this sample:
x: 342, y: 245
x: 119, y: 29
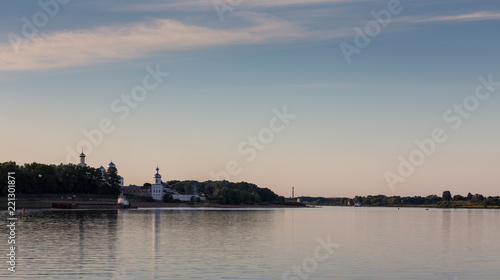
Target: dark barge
x: 86, y: 205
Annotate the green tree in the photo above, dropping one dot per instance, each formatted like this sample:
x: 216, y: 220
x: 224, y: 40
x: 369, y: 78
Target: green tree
x: 432, y: 199
x: 393, y: 201
x: 469, y: 197
x: 492, y: 201
x: 446, y: 196
x: 168, y: 197
x: 221, y: 199
x: 111, y: 183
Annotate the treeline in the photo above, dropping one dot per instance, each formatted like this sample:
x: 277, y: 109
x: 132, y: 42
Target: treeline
x: 224, y: 192
x: 37, y: 178
x: 445, y: 201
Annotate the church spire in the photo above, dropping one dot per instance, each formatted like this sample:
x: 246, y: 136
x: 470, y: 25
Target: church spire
x: 157, y: 176
x: 82, y: 159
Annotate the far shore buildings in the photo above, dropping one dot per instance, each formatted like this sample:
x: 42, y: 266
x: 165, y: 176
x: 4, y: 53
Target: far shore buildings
x: 156, y: 190
x: 103, y: 170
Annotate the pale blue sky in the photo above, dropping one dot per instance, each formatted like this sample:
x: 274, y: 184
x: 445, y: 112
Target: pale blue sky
x: 226, y: 76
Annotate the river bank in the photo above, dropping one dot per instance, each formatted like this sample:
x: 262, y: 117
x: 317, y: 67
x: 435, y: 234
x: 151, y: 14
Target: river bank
x: 48, y: 204
x: 204, y: 205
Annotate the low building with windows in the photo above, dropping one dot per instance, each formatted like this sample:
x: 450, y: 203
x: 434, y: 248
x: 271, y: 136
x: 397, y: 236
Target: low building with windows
x: 138, y: 191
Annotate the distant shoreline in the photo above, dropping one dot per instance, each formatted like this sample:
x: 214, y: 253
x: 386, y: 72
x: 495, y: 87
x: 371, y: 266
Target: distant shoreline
x: 427, y: 206
x: 205, y: 205
x: 33, y: 202
x: 47, y: 204
x: 477, y: 206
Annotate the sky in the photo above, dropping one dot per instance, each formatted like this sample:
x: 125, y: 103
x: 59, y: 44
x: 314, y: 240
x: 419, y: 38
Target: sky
x: 332, y: 97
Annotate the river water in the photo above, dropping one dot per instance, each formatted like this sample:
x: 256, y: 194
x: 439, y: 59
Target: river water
x: 313, y: 243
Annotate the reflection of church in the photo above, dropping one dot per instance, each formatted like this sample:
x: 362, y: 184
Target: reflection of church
x: 103, y: 170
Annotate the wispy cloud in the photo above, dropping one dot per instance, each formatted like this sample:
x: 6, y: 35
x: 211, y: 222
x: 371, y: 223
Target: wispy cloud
x: 116, y: 43
x: 113, y: 43
x: 208, y: 4
x: 477, y: 16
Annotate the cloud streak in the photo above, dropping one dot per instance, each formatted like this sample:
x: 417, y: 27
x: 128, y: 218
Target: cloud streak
x: 208, y: 4
x: 477, y: 16
x: 117, y: 43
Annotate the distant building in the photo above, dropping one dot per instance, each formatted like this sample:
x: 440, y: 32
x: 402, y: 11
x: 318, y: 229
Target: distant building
x: 138, y: 191
x: 294, y: 199
x: 103, y: 170
x: 477, y: 198
x: 112, y: 165
x: 183, y: 196
x: 159, y: 189
x: 82, y: 160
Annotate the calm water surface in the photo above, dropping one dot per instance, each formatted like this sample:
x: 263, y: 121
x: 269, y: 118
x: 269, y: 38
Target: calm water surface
x: 361, y: 243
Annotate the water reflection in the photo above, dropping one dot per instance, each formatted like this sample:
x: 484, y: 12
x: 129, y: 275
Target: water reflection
x: 446, y: 229
x: 375, y: 243
x: 156, y: 214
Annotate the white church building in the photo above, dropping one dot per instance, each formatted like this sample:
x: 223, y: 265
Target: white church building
x: 159, y: 189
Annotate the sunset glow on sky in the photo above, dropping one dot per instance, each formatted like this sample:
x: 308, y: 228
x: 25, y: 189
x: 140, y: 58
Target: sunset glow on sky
x: 259, y: 91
